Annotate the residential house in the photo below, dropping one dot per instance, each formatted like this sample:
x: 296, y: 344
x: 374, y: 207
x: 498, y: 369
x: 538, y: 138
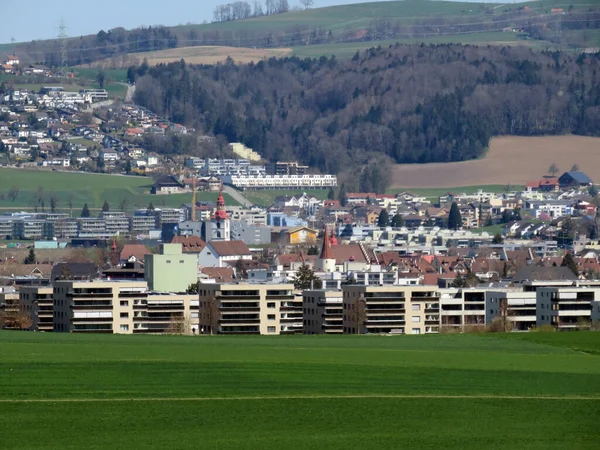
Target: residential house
x: 294, y: 236
x: 223, y: 253
x: 574, y: 179
x: 168, y: 184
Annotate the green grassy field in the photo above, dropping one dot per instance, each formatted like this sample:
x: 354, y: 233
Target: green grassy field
x: 534, y: 391
x: 88, y: 188
x: 267, y: 198
x: 348, y: 49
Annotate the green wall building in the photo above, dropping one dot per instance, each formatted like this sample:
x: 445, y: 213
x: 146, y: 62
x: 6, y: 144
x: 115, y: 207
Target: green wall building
x: 171, y: 270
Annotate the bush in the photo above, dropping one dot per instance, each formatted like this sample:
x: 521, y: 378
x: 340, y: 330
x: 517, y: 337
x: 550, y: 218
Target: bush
x: 543, y: 329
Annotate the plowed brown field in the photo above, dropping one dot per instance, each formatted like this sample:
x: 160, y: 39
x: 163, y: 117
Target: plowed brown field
x: 510, y: 160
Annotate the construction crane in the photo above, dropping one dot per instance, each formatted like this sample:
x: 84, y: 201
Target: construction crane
x: 194, y: 199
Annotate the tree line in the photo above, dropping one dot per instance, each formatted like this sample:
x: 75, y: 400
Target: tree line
x: 404, y: 104
x: 240, y: 10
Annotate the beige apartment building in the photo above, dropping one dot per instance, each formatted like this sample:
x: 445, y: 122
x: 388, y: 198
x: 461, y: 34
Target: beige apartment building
x: 121, y: 307
x: 323, y: 311
x: 391, y: 309
x: 38, y: 301
x: 245, y: 308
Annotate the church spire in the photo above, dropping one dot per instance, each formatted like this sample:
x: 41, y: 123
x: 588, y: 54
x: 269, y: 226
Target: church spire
x: 221, y: 214
x: 326, y: 250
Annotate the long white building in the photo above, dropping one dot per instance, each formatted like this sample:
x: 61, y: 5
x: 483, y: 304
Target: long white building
x: 281, y: 181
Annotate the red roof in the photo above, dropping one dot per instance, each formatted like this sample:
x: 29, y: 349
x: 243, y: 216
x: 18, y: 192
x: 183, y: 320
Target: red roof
x: 220, y: 213
x: 230, y: 248
x: 549, y: 182
x: 189, y: 244
x: 326, y: 250
x: 136, y: 250
x: 220, y: 274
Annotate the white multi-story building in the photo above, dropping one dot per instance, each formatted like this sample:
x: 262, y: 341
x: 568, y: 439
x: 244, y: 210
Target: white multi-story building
x: 568, y: 308
x: 323, y: 311
x: 281, y: 181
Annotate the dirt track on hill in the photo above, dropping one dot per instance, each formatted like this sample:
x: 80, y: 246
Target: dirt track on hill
x: 510, y: 160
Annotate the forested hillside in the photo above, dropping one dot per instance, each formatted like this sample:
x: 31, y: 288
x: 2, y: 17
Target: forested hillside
x: 409, y: 103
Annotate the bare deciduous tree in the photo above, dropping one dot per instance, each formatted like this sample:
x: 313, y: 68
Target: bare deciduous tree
x: 15, y: 316
x: 358, y: 315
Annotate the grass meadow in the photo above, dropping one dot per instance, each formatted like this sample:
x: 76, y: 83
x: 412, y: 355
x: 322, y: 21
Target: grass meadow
x: 534, y: 391
x: 80, y: 188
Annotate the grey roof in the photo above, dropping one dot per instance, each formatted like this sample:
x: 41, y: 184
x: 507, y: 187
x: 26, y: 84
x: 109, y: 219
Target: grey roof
x: 579, y: 177
x: 537, y: 273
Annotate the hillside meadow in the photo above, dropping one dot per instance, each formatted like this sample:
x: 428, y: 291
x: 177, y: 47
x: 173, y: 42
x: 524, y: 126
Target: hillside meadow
x: 346, y: 392
x: 513, y: 160
x: 91, y: 188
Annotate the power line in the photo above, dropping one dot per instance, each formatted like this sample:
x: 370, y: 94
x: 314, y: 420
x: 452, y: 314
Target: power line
x: 62, y: 36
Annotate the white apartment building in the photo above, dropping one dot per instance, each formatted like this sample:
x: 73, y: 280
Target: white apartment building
x: 462, y: 308
x: 281, y: 181
x: 568, y: 308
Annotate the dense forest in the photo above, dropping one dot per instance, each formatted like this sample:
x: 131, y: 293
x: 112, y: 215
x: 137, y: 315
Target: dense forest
x: 409, y: 104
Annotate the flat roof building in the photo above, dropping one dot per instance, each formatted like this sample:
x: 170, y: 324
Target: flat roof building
x: 244, y: 308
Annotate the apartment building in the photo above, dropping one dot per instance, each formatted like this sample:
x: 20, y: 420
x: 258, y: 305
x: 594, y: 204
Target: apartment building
x: 517, y: 305
x: 166, y: 313
x: 120, y: 307
x: 244, y: 308
x: 391, y: 309
x: 568, y: 308
x: 38, y: 301
x: 142, y: 223
x: 462, y: 308
x: 97, y: 306
x: 323, y: 311
x: 281, y: 181
x: 116, y: 222
x: 171, y: 270
x: 288, y: 168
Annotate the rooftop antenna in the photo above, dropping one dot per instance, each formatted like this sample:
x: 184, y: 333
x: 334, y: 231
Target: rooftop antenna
x: 62, y: 36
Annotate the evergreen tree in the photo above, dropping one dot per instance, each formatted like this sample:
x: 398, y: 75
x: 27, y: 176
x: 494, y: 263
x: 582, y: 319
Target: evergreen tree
x: 105, y: 207
x: 150, y: 208
x: 397, y: 220
x: 30, y: 257
x: 569, y: 261
x: 384, y: 218
x: 306, y: 279
x: 498, y: 239
x: 454, y: 218
x: 312, y: 250
x: 85, y: 212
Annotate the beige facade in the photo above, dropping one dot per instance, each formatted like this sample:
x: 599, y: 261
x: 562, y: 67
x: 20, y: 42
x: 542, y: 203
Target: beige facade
x: 121, y: 307
x: 391, y: 309
x: 38, y: 301
x: 323, y: 312
x: 245, y: 308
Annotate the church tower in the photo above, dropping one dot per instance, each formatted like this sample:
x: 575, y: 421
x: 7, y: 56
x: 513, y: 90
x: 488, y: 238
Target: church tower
x: 326, y: 261
x: 220, y: 226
